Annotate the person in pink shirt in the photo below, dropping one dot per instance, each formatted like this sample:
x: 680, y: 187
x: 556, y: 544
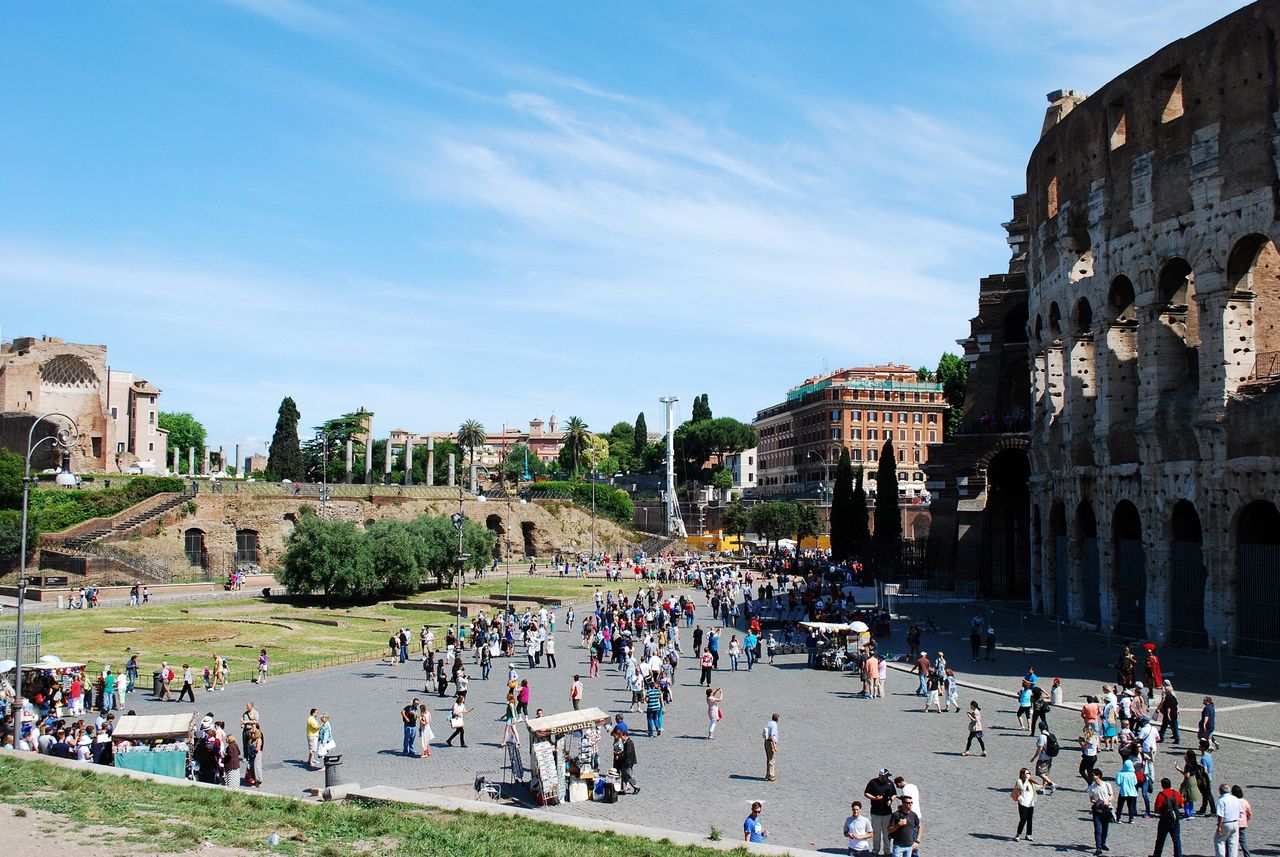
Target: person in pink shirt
x: 871, y: 676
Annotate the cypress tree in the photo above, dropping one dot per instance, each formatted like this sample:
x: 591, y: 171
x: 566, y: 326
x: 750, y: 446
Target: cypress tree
x: 642, y: 434
x: 888, y: 519
x: 860, y: 533
x: 842, y: 509
x: 284, y: 458
x: 701, y: 409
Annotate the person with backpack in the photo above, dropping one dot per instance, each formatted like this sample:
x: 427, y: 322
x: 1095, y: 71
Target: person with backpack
x: 1046, y: 749
x: 1169, y: 811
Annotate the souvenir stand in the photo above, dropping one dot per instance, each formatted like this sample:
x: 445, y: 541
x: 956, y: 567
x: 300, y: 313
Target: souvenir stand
x: 49, y: 675
x: 838, y: 643
x: 563, y: 754
x: 155, y: 743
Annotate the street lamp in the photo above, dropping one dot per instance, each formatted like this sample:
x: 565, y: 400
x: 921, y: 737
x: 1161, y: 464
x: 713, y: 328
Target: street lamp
x: 592, y: 557
x: 65, y: 439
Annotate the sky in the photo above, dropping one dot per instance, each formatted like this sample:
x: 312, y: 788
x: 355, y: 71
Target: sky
x: 501, y: 211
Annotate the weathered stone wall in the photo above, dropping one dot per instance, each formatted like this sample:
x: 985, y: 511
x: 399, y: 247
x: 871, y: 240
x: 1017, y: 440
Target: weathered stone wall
x: 538, y: 528
x: 1153, y: 314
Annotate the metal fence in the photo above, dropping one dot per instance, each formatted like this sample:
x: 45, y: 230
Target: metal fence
x: 30, y: 640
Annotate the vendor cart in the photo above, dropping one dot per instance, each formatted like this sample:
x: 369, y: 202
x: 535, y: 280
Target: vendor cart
x: 155, y: 743
x: 564, y: 754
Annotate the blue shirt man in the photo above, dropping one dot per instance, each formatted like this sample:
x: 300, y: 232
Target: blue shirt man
x: 752, y: 829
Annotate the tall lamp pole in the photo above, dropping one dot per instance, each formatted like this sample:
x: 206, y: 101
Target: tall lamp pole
x: 65, y: 439
x: 592, y: 558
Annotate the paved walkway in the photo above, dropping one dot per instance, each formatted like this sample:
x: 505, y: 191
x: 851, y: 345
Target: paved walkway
x: 831, y: 744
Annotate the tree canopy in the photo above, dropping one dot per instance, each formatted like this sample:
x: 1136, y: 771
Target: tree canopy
x: 330, y: 442
x: 640, y: 437
x: 11, y: 468
x: 860, y: 532
x: 774, y: 520
x: 518, y: 457
x: 185, y: 432
x: 842, y: 509
x: 575, y: 440
x: 953, y: 374
x: 284, y: 457
x: 699, y: 442
x: 471, y: 434
x: 888, y: 530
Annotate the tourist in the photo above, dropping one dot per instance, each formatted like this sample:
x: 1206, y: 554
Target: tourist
x: 714, y: 714
x: 1024, y: 706
x: 735, y: 652
x: 653, y: 706
x: 575, y: 692
x: 549, y: 650
x: 219, y: 672
x: 456, y: 715
x: 707, y: 662
x: 313, y: 738
x: 991, y: 643
x: 1089, y: 746
x: 409, y: 720
x: 1110, y: 717
x: 508, y: 718
x: 1099, y: 794
x: 1042, y: 756
x: 882, y: 677
x: 522, y: 699
x: 870, y: 675
x: 231, y: 764
x: 952, y: 688
x: 1024, y: 795
x: 770, y: 735
x: 187, y: 679
x: 131, y: 673
x: 924, y: 669
x: 325, y: 743
x: 1226, y: 837
x: 857, y: 830
x: 1246, y: 815
x: 902, y: 789
x: 1127, y: 786
x: 1208, y: 723
x: 880, y: 792
x: 253, y: 753
x: 752, y: 829
x: 1168, y: 711
x: 1206, y: 780
x: 425, y: 734
x: 247, y: 721
x: 262, y: 667
x: 975, y: 729
x: 935, y: 698
x: 624, y: 756
x: 904, y: 829
x: 1169, y: 812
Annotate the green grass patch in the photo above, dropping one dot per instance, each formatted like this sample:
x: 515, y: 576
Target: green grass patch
x: 243, y: 820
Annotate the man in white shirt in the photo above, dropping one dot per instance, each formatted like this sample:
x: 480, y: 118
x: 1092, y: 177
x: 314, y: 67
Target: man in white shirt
x: 857, y: 829
x: 906, y: 789
x: 1226, y: 840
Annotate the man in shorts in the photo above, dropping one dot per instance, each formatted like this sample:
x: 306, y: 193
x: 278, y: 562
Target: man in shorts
x: 1044, y: 762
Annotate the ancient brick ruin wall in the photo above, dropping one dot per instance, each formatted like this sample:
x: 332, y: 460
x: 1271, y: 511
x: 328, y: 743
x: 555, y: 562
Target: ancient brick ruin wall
x: 1154, y: 307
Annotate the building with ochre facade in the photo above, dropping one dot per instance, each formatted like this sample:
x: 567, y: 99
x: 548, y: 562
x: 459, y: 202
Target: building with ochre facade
x: 1154, y: 329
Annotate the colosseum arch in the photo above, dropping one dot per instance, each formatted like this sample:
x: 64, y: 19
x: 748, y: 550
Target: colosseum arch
x: 1252, y: 323
x: 1060, y: 567
x: 1119, y: 371
x: 1130, y: 575
x: 1082, y: 386
x: 1090, y: 565
x: 1176, y: 329
x: 1258, y: 580
x: 1187, y: 576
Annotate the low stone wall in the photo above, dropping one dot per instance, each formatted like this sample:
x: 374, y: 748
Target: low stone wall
x: 253, y: 583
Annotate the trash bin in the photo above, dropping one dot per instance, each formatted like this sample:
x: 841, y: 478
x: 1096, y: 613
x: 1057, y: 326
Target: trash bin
x: 333, y: 771
x: 157, y: 685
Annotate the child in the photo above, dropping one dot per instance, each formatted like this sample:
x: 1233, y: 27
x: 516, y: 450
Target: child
x: 935, y: 694
x: 208, y: 679
x: 953, y: 692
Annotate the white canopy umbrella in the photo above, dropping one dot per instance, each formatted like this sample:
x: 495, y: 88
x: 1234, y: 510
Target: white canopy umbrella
x: 7, y: 665
x: 860, y: 627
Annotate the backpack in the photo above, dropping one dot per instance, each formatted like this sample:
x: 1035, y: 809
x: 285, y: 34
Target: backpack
x: 1051, y: 747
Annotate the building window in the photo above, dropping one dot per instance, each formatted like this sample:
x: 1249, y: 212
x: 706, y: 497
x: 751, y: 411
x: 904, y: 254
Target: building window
x: 114, y: 415
x: 1117, y: 124
x: 917, y: 418
x: 151, y: 417
x: 902, y: 434
x: 856, y: 416
x: 872, y: 416
x: 1170, y: 95
x: 751, y: 477
x: 872, y: 434
x: 1051, y: 193
x: 119, y: 447
x: 917, y: 456
x: 835, y: 416
x: 933, y: 436
x: 151, y: 447
x: 902, y: 455
x: 751, y: 459
x: 857, y: 455
x: 933, y: 419
x: 246, y: 545
x: 917, y: 435
x: 835, y: 434
x: 902, y: 416
x: 193, y: 544
x: 872, y: 455
x: 856, y: 434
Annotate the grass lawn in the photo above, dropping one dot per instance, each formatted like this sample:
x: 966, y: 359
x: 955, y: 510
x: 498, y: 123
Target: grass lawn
x: 152, y: 813
x: 495, y: 583
x: 236, y: 629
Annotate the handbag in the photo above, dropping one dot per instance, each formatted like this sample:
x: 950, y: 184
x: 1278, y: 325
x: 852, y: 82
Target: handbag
x: 455, y: 722
x: 1016, y: 794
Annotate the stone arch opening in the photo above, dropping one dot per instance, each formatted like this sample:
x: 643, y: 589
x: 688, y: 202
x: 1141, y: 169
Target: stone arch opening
x: 1119, y: 371
x: 1130, y: 577
x: 287, y: 523
x: 1252, y: 325
x: 494, y: 522
x: 1060, y: 567
x: 1039, y: 329
x: 1082, y: 316
x: 1177, y: 336
x: 529, y: 530
x: 1006, y: 544
x: 1258, y: 580
x: 1187, y: 576
x: 193, y: 547
x: 1055, y: 319
x: 247, y: 546
x: 1082, y: 388
x: 1090, y: 565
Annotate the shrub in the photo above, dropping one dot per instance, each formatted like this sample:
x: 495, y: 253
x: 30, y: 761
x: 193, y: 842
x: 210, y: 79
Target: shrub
x: 611, y: 502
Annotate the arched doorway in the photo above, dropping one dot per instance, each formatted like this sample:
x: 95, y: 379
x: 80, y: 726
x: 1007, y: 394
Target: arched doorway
x: 1061, y: 564
x: 1187, y: 577
x: 1005, y: 527
x: 1130, y: 585
x: 529, y: 530
x: 1258, y: 580
x: 494, y: 522
x: 1090, y: 574
x: 1253, y: 276
x: 193, y: 546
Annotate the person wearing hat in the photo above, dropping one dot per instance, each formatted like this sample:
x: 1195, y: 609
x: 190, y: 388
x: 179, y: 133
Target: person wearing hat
x: 880, y: 792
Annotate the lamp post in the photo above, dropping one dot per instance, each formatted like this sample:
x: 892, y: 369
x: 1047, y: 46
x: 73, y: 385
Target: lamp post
x: 592, y: 557
x: 65, y: 439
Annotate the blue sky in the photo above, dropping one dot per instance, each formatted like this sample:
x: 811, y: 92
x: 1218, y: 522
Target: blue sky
x: 507, y: 210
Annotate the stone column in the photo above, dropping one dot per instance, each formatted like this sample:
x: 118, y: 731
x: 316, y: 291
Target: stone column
x: 408, y: 460
x: 176, y: 452
x: 368, y: 456
x: 473, y: 478
x: 452, y: 474
x: 347, y: 478
x: 191, y: 461
x: 431, y: 462
x: 386, y: 467
x: 205, y: 468
x: 239, y: 464
x: 222, y: 457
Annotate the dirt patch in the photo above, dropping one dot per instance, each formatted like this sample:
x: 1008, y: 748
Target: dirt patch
x: 26, y: 833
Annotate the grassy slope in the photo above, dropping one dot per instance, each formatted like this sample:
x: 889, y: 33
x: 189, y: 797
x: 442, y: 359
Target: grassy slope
x: 154, y: 813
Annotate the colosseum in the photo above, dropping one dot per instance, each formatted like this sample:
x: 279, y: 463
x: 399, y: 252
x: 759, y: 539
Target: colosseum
x: 1154, y: 323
